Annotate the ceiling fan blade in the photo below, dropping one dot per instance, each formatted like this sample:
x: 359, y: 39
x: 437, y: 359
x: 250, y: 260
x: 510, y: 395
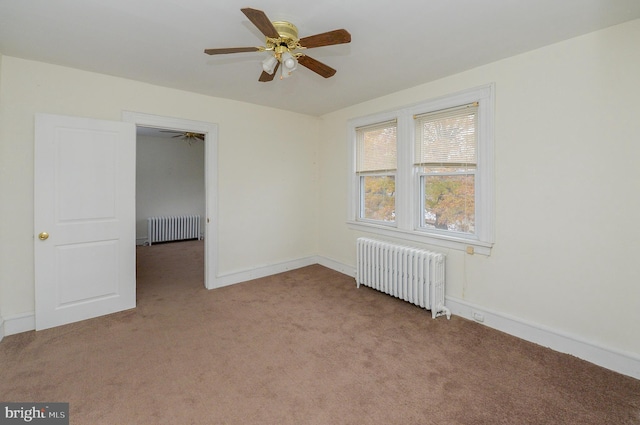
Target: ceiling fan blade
x: 316, y: 66
x: 230, y: 50
x: 261, y: 21
x: 340, y: 36
x: 266, y: 77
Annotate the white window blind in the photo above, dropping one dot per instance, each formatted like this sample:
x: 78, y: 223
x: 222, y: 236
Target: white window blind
x: 447, y: 138
x: 376, y: 148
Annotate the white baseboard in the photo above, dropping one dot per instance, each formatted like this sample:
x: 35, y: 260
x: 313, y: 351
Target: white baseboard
x: 618, y: 361
x: 258, y: 272
x: 19, y: 323
x: 337, y: 266
x: 1, y: 328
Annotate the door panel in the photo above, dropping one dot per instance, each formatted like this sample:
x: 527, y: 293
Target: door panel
x: 84, y: 165
x: 85, y: 201
x: 100, y: 265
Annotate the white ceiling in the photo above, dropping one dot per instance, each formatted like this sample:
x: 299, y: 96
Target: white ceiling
x: 396, y: 44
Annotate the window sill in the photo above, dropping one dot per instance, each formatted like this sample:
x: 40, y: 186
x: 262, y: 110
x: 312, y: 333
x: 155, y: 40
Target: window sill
x: 451, y: 242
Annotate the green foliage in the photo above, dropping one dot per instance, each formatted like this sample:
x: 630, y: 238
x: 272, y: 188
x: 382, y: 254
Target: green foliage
x: 379, y: 198
x: 451, y: 199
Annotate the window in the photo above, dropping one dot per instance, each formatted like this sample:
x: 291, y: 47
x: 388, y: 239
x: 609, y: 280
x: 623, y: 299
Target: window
x: 425, y: 172
x: 445, y: 157
x: 376, y: 170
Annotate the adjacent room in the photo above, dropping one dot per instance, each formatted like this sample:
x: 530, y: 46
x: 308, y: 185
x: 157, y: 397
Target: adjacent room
x: 169, y: 186
x: 498, y: 141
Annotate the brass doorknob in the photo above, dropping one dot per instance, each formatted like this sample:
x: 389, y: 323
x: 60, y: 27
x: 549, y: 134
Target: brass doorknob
x: 43, y: 236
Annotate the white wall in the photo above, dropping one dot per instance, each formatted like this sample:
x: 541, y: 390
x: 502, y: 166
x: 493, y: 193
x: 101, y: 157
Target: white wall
x: 169, y: 179
x: 567, y: 184
x: 267, y: 206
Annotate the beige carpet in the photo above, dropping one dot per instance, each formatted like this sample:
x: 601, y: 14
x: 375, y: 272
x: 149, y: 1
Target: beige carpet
x: 302, y: 347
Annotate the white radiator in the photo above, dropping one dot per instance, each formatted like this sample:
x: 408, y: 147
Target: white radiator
x: 411, y: 274
x: 174, y: 228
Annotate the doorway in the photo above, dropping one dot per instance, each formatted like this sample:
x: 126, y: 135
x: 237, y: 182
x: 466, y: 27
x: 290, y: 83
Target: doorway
x: 208, y: 222
x: 170, y: 206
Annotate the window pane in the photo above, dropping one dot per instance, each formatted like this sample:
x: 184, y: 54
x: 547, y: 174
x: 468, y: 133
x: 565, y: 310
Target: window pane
x: 379, y: 198
x: 377, y: 148
x: 449, y: 202
x: 447, y: 137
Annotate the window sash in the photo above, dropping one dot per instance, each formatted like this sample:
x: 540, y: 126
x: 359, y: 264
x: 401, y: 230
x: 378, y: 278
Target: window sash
x: 446, y: 149
x: 447, y: 138
x: 377, y: 147
x: 422, y: 184
x: 386, y: 203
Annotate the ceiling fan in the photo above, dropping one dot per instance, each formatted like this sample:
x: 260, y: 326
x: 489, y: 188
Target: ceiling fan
x: 281, y: 38
x: 185, y: 135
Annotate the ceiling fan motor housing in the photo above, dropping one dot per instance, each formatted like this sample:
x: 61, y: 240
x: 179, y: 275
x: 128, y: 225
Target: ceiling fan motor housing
x: 287, y: 30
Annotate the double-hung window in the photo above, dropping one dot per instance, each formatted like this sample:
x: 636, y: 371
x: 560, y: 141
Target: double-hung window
x: 424, y: 172
x: 376, y: 170
x: 446, y: 162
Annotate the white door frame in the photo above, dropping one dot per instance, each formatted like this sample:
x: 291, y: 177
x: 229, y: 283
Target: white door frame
x: 210, y: 131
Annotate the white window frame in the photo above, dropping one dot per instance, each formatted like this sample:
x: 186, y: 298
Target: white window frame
x: 361, y: 200
x: 361, y: 175
x: 408, y: 211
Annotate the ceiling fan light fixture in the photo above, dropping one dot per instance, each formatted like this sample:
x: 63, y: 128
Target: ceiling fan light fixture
x: 269, y: 64
x: 289, y: 64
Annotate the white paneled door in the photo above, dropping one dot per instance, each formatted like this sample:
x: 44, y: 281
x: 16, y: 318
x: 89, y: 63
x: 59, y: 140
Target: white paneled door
x: 84, y: 219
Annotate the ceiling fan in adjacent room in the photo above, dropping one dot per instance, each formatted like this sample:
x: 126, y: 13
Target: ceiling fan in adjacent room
x: 282, y: 42
x: 185, y: 135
